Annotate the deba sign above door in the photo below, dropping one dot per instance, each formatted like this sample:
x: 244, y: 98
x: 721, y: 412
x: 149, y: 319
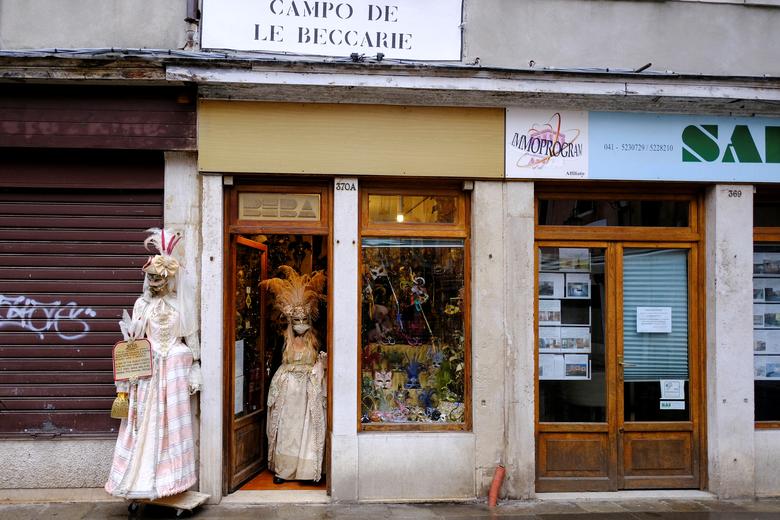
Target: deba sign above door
x: 398, y: 29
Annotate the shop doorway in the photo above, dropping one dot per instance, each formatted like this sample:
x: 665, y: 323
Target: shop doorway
x: 269, y: 227
x: 619, y: 387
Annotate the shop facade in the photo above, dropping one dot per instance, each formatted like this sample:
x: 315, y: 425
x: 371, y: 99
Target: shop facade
x: 529, y: 265
x: 592, y: 311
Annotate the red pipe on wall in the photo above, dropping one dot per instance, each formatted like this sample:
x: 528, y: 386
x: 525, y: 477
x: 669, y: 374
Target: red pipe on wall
x: 495, y: 486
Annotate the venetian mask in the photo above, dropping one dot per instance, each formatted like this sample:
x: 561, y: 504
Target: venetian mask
x: 300, y: 325
x: 383, y: 380
x: 378, y: 272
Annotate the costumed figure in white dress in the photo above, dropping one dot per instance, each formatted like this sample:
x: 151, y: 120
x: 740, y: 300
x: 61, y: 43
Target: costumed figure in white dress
x: 155, y: 452
x: 297, y: 396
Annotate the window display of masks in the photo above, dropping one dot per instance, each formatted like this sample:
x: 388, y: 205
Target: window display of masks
x: 413, y: 331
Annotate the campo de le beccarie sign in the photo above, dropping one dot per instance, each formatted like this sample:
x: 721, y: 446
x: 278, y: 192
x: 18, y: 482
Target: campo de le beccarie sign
x: 399, y: 29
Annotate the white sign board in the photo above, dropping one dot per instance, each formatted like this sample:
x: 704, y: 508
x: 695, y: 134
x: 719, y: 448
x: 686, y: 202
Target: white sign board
x: 672, y: 405
x: 546, y: 144
x: 399, y: 29
x: 654, y: 319
x: 672, y: 389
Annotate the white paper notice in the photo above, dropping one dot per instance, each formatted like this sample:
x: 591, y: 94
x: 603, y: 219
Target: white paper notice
x: 654, y: 319
x: 672, y: 389
x: 239, y: 358
x: 238, y: 395
x: 551, y: 366
x: 549, y: 312
x: 672, y: 405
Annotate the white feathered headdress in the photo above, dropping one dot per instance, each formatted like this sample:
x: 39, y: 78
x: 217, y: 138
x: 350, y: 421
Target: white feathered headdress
x: 297, y: 296
x: 165, y: 241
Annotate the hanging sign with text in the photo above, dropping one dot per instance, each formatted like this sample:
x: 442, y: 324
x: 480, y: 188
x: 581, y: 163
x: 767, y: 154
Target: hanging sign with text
x: 560, y: 144
x: 132, y: 359
x: 399, y: 29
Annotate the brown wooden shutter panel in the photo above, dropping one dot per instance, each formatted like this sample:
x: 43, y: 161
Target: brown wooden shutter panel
x: 70, y: 262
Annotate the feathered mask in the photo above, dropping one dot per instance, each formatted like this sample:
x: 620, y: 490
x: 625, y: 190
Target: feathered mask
x: 165, y: 241
x: 297, y: 296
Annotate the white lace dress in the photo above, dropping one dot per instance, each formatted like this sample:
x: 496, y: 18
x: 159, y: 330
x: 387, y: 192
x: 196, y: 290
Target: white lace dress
x: 296, y: 414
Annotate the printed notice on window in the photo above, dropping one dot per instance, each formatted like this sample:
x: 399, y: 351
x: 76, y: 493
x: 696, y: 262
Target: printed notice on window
x: 672, y: 389
x: 654, y: 320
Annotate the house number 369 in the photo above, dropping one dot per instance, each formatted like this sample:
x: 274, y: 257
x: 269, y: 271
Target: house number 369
x: 735, y: 193
x: 346, y: 186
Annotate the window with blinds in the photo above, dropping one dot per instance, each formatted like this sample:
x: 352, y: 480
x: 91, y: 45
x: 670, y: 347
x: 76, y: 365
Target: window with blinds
x: 655, y: 278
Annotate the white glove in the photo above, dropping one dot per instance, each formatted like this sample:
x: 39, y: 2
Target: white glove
x: 196, y: 379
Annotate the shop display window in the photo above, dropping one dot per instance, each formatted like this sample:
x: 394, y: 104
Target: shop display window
x: 766, y: 307
x: 766, y: 330
x: 414, y: 354
x: 571, y: 353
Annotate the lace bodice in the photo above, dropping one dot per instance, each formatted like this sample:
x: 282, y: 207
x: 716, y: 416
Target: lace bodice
x: 161, y: 320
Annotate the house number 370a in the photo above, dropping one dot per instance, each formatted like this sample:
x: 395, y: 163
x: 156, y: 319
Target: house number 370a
x: 346, y: 186
x: 735, y: 193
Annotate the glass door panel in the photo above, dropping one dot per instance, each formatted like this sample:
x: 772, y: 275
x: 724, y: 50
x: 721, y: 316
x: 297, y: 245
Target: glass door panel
x: 654, y: 360
x: 571, y: 344
x: 245, y: 357
x: 248, y: 358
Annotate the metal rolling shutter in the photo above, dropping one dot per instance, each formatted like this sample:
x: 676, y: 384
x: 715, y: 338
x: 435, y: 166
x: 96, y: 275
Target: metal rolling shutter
x: 70, y: 262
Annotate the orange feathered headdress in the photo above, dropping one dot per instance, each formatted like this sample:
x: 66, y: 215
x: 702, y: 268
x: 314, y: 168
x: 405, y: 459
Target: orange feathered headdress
x: 297, y: 296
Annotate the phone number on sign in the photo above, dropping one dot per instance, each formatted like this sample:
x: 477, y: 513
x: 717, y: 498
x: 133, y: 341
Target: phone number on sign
x: 638, y: 147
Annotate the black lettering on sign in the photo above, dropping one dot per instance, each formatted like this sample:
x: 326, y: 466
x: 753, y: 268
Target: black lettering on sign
x: 346, y: 186
x: 735, y: 194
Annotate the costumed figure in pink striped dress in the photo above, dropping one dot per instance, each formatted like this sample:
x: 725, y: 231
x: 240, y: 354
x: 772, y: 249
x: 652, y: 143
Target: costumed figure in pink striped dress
x: 155, y: 452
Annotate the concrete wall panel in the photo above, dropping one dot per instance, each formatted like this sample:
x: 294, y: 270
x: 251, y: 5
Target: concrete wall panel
x: 735, y: 40
x: 767, y: 462
x: 59, y: 463
x: 43, y: 24
x: 519, y: 326
x: 488, y: 339
x: 730, y: 407
x: 416, y: 466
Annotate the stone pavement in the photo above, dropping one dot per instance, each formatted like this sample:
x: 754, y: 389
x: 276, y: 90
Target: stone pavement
x: 582, y: 509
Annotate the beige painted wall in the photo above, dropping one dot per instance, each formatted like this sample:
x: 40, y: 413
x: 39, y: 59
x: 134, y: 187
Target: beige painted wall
x: 71, y: 24
x: 241, y: 136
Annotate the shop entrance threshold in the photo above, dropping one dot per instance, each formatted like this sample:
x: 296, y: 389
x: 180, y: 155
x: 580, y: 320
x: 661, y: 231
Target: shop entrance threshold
x: 651, y: 494
x: 292, y: 496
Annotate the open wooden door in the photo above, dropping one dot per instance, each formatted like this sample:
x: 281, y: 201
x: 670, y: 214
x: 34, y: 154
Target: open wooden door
x: 245, y: 369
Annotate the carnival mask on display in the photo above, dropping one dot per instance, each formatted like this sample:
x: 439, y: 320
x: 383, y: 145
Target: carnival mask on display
x: 378, y: 272
x: 451, y: 309
x: 383, y: 380
x: 412, y: 374
x: 301, y: 328
x: 437, y: 358
x: 156, y: 281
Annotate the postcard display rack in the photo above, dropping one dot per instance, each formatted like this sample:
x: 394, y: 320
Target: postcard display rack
x: 766, y: 316
x: 564, y: 314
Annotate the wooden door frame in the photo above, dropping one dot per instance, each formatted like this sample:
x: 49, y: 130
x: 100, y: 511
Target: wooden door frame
x: 232, y: 227
x: 692, y: 237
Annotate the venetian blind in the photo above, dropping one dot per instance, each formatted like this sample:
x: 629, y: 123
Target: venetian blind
x: 655, y: 278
